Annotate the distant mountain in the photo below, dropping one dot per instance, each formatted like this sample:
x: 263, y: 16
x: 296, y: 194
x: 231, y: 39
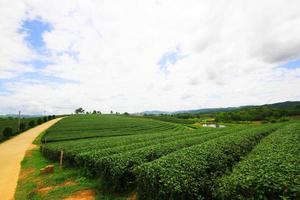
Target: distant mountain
x: 16, y: 116
x: 207, y: 110
x: 204, y: 110
x: 156, y: 112
x: 282, y: 105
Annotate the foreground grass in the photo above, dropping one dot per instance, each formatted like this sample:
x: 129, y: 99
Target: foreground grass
x: 38, y: 139
x: 64, y: 183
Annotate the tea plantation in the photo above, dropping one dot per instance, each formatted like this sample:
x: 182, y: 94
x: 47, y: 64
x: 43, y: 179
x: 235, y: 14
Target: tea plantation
x: 167, y: 160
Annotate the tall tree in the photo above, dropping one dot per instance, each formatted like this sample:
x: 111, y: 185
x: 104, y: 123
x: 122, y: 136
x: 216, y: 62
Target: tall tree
x: 79, y: 110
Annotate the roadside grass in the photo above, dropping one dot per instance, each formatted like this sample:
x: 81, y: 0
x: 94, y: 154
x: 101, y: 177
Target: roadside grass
x: 38, y: 139
x: 61, y: 184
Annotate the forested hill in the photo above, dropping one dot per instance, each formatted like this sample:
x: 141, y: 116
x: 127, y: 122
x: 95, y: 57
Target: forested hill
x: 281, y: 105
x: 269, y: 112
x: 284, y: 105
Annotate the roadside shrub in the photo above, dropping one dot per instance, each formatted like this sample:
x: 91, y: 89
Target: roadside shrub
x: 31, y: 124
x: 22, y: 127
x: 45, y: 119
x: 49, y: 117
x: 39, y: 121
x: 8, y: 132
x: 283, y: 119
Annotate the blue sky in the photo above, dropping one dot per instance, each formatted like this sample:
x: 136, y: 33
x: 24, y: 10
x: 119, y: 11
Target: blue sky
x: 169, y: 58
x: 33, y: 30
x: 38, y: 63
x: 168, y: 61
x: 33, y: 78
x: 3, y: 89
x: 292, y: 64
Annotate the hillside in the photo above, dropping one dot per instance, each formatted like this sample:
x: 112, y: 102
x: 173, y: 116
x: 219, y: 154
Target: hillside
x: 281, y: 105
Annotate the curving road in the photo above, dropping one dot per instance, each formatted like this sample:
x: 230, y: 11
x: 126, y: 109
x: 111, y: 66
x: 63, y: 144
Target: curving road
x: 11, y: 154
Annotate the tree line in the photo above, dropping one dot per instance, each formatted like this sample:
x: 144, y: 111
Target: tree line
x: 262, y: 113
x: 253, y: 113
x: 82, y: 111
x: 10, y: 131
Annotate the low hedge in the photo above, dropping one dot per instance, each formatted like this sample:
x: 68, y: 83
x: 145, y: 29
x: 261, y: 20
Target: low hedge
x: 72, y: 148
x: 189, y: 173
x: 118, y: 171
x: 88, y: 160
x: 270, y: 171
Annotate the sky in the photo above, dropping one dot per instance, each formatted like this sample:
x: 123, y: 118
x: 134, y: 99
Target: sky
x: 132, y: 56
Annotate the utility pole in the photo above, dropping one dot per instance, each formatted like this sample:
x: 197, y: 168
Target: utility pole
x: 19, y: 121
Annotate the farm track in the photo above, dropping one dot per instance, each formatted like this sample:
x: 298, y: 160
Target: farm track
x: 11, y: 153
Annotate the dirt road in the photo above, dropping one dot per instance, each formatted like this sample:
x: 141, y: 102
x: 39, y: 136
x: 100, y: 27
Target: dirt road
x: 11, y: 154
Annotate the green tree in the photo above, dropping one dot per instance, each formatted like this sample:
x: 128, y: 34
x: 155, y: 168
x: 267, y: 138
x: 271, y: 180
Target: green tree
x: 31, y: 124
x: 79, y: 110
x: 45, y: 119
x: 22, y: 127
x: 8, y: 132
x: 39, y: 121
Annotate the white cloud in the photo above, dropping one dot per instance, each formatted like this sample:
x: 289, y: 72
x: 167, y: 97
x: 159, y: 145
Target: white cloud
x: 234, y: 49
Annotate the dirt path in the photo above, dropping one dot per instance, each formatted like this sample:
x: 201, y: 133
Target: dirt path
x: 11, y: 154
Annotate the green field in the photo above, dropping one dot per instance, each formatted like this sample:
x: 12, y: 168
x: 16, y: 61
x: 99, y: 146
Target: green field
x: 168, y: 118
x: 91, y: 126
x: 168, y: 160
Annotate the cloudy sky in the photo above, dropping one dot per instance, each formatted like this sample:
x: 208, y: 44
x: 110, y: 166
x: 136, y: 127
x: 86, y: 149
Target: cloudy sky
x: 147, y: 55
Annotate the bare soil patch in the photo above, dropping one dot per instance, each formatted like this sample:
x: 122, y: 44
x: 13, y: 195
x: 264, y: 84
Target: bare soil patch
x: 44, y: 190
x: 26, y: 172
x: 48, y: 188
x: 132, y: 196
x: 82, y: 195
